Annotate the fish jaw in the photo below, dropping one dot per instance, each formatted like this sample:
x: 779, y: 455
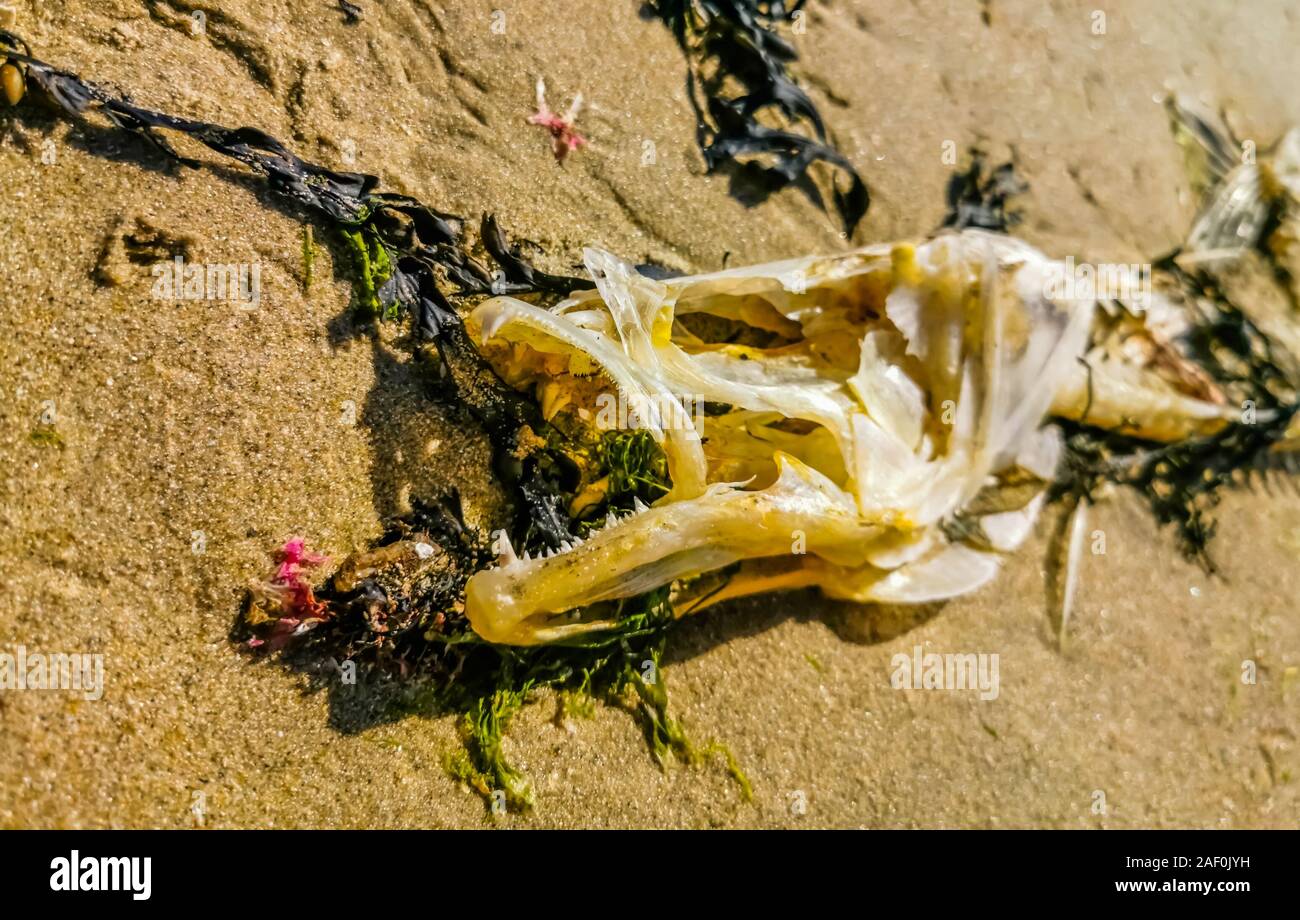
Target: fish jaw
x: 547, y: 599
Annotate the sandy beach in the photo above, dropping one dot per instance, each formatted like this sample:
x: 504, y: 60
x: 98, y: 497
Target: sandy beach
x: 154, y: 454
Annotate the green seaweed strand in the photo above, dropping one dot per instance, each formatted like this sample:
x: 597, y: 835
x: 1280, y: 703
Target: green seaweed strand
x: 373, y: 267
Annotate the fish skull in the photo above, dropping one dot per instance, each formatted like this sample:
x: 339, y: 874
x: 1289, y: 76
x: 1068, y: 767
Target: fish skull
x: 897, y: 383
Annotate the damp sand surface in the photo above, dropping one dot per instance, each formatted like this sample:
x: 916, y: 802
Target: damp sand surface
x: 185, y: 441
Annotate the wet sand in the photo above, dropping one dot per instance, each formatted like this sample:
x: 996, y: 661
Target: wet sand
x: 184, y: 426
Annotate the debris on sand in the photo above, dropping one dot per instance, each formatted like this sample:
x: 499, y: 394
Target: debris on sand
x: 564, y: 136
x: 287, y: 600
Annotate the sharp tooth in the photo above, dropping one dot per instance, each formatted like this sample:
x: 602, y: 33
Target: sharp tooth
x: 553, y: 399
x: 493, y: 326
x: 638, y: 506
x: 610, y: 519
x: 507, y: 555
x: 527, y: 558
x: 566, y: 546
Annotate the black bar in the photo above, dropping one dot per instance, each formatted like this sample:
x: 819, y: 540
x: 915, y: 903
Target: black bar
x: 399, y: 869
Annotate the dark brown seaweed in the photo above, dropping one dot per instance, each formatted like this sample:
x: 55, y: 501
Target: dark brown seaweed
x: 731, y: 42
